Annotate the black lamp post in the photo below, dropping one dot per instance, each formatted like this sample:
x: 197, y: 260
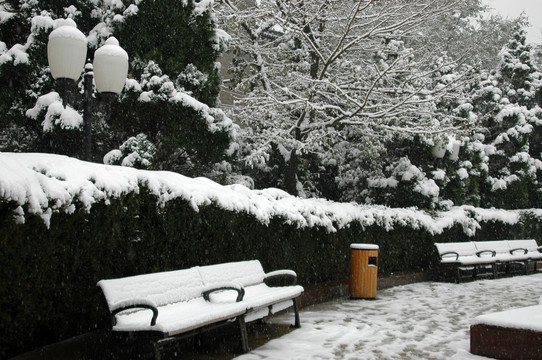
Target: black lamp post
x: 66, y: 53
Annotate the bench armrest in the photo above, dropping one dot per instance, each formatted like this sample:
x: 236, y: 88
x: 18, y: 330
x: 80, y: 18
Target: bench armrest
x: 135, y: 304
x: 280, y: 274
x: 525, y: 251
x: 221, y: 287
x: 492, y: 252
x: 450, y: 253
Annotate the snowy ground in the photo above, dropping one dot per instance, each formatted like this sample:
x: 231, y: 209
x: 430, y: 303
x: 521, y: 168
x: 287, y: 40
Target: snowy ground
x: 418, y: 321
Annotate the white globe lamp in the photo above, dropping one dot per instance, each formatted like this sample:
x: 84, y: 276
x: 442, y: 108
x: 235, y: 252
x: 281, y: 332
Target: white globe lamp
x: 439, y: 150
x: 67, y: 54
x: 66, y: 51
x: 110, y: 67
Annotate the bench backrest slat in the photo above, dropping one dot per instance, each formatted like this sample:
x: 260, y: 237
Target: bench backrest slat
x: 160, y: 288
x: 463, y: 248
x: 499, y: 246
x: 245, y: 273
x: 530, y: 245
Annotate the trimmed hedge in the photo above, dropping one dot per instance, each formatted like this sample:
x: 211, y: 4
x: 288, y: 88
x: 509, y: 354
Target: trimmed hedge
x: 48, y: 275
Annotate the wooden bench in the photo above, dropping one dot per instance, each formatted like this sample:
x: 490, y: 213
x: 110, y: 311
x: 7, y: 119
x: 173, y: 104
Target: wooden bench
x: 487, y: 258
x: 166, y: 306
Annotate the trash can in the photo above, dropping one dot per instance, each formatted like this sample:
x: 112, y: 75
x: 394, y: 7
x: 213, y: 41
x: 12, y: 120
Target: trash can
x: 363, y: 271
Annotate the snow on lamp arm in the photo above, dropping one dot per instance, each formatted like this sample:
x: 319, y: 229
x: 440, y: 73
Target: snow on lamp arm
x: 66, y: 53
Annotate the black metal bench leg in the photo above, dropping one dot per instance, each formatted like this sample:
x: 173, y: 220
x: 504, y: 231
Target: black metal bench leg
x: 494, y: 266
x: 297, y: 323
x: 157, y: 354
x: 244, y: 335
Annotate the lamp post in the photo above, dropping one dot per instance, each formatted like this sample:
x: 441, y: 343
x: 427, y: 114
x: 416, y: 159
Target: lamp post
x: 66, y: 53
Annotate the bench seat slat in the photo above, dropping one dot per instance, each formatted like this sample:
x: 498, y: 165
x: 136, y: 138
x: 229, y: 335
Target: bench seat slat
x: 473, y: 260
x: 261, y: 295
x: 180, y: 317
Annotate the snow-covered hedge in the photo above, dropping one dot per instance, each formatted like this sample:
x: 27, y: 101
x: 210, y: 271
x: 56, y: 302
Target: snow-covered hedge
x: 65, y: 224
x: 43, y: 184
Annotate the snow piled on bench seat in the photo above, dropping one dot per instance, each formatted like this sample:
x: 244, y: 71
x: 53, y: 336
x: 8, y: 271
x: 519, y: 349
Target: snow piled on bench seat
x: 41, y: 184
x: 180, y: 317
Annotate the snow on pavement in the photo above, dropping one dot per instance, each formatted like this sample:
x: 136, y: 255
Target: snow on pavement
x: 418, y: 321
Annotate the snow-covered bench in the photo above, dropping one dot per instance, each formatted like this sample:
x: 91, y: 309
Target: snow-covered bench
x: 260, y: 298
x: 475, y: 256
x: 465, y: 257
x: 509, y: 252
x: 165, y: 306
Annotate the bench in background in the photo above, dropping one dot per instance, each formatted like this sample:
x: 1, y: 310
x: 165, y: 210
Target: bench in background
x: 487, y: 258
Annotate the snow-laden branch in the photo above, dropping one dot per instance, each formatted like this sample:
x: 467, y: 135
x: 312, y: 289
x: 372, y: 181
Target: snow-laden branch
x: 310, y: 68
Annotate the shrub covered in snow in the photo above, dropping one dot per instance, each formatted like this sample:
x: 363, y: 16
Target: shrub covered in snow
x: 410, y: 185
x: 136, y: 152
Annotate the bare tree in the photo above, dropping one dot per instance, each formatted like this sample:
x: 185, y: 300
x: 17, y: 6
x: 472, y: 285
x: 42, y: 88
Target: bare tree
x: 309, y: 68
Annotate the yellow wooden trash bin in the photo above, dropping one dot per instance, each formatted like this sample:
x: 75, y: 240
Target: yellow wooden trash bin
x: 363, y: 271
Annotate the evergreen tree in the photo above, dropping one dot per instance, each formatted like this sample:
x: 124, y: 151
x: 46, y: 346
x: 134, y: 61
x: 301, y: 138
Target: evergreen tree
x: 181, y: 39
x: 509, y: 110
x: 496, y: 162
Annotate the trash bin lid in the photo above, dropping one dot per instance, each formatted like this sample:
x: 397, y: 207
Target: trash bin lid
x: 363, y: 246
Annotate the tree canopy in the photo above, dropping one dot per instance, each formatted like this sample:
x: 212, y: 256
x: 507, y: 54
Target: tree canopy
x: 323, y: 79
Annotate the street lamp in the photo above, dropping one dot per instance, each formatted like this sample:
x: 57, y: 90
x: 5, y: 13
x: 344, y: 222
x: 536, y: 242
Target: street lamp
x: 66, y: 53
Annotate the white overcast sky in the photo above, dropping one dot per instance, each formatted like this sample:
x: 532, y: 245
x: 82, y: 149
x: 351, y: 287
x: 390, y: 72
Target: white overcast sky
x: 532, y: 8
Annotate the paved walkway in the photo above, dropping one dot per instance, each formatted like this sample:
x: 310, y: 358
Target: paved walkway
x: 418, y: 321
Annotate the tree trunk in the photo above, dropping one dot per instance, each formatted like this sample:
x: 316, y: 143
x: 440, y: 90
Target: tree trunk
x: 290, y: 174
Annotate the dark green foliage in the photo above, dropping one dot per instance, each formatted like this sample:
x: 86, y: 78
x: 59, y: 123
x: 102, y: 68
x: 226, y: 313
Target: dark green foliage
x: 174, y: 37
x: 17, y: 94
x: 170, y: 126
